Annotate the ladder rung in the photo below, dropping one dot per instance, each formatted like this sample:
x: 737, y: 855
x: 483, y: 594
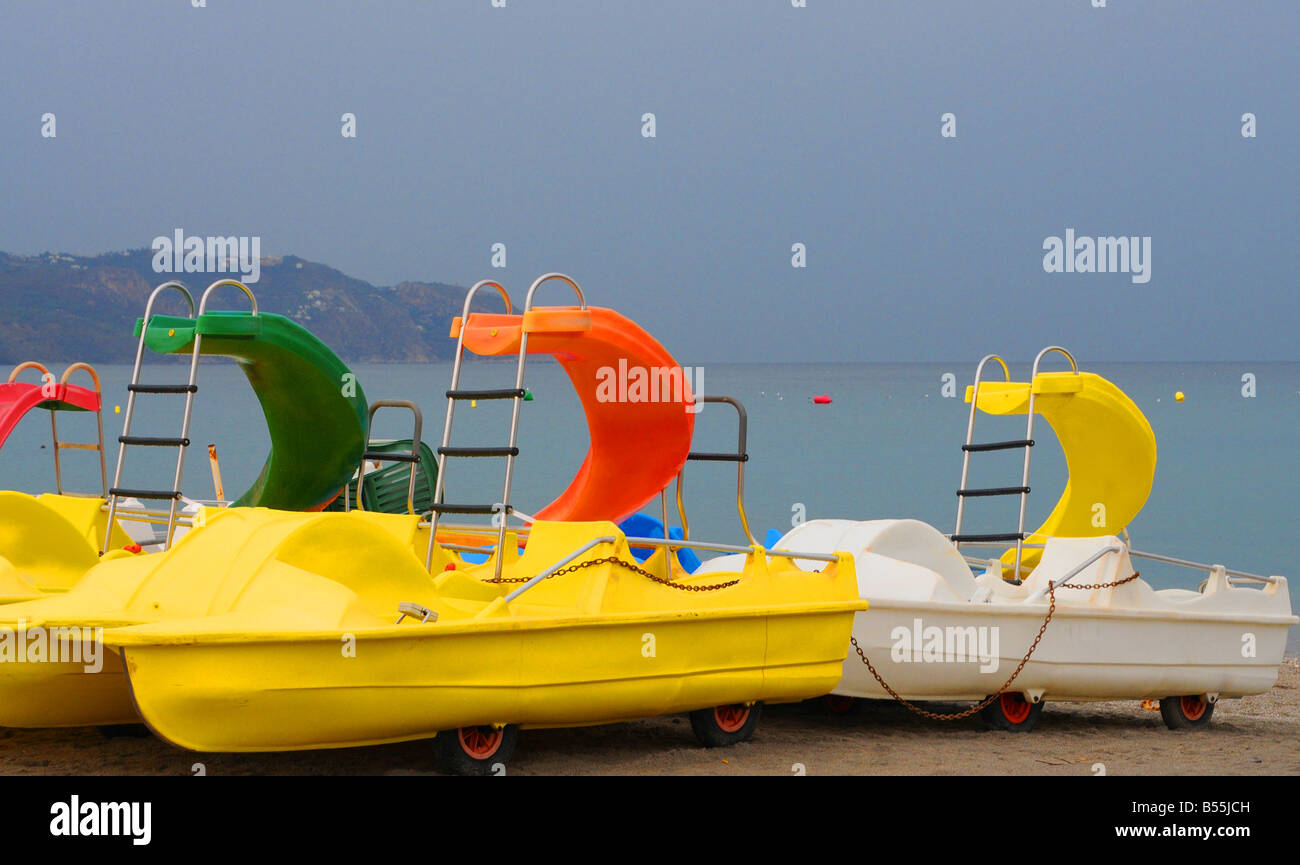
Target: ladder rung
x: 490, y: 393
x: 163, y: 388
x: 1006, y: 536
x: 478, y: 452
x: 390, y: 457
x: 155, y: 441
x: 122, y: 492
x: 999, y: 446
x: 716, y: 457
x: 77, y: 446
x: 994, y: 491
x: 471, y: 509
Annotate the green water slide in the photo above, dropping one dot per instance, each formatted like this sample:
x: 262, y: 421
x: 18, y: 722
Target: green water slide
x: 315, y: 408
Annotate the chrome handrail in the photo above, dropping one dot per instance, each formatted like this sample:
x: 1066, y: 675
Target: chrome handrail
x: 603, y: 539
x: 537, y: 283
x: 1029, y: 435
x: 970, y: 432
x: 415, y: 452
x: 1201, y: 566
x: 203, y: 301
x: 740, y: 457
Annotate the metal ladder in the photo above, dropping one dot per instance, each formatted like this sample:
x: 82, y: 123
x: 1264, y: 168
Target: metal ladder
x: 1026, y: 444
x: 516, y: 394
x: 181, y: 442
x: 60, y: 446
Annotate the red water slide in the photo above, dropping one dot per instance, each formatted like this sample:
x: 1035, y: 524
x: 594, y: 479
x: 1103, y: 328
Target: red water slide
x: 17, y: 398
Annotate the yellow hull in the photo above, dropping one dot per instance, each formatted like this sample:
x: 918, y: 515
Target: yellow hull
x: 305, y: 694
x: 64, y: 695
x: 267, y: 630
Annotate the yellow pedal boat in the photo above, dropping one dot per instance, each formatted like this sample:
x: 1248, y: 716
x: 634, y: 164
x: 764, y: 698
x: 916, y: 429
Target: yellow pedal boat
x: 269, y: 630
x: 326, y: 630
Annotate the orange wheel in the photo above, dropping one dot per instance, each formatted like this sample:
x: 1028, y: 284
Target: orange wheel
x: 478, y: 750
x: 730, y: 718
x: 480, y: 742
x: 726, y: 725
x: 1186, y: 712
x: 1012, y: 712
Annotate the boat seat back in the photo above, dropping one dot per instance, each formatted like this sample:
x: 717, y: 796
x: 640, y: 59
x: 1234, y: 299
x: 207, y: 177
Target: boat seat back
x: 910, y: 541
x: 1062, y: 555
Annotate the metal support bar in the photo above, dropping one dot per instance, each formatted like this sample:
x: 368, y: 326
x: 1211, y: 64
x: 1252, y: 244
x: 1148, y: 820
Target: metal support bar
x: 740, y: 457
x: 603, y: 539
x: 1199, y: 566
x: 1075, y: 571
x: 413, y: 457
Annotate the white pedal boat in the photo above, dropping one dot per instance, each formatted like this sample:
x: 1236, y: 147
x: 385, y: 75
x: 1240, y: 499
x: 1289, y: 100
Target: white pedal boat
x: 946, y: 626
x: 935, y: 631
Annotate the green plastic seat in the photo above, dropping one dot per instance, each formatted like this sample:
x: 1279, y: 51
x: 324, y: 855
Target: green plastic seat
x: 384, y: 489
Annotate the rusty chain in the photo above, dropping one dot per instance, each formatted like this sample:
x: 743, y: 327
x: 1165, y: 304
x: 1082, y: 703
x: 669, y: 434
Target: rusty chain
x: 615, y: 560
x: 957, y: 716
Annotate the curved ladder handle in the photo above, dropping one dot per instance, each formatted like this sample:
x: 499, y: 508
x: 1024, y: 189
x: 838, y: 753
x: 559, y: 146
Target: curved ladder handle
x: 46, y: 375
x: 545, y: 277
x: 203, y: 302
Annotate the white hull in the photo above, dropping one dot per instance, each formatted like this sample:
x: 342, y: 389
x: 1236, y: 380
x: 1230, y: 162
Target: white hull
x: 934, y: 631
x: 1084, y: 655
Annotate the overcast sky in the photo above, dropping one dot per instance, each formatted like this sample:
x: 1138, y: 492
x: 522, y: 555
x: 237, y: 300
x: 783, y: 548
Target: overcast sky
x: 775, y: 125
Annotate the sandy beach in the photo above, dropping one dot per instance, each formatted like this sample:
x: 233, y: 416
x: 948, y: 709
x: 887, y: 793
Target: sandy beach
x: 1252, y: 736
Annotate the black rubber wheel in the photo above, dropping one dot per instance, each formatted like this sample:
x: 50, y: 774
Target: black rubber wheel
x: 722, y: 726
x: 476, y: 750
x: 1186, y: 713
x: 124, y: 731
x: 1012, y: 712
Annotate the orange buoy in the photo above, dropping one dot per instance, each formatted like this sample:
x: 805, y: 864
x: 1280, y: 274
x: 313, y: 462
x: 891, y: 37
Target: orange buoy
x: 824, y: 399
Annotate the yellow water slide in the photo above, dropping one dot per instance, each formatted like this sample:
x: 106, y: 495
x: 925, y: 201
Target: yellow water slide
x: 1110, y: 451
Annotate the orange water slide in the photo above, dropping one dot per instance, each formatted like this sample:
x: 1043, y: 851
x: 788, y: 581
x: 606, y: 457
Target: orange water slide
x: 633, y: 392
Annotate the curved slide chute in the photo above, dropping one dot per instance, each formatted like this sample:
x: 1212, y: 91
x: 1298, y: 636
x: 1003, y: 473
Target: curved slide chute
x: 315, y: 410
x: 17, y: 398
x: 634, y: 395
x: 1110, y: 450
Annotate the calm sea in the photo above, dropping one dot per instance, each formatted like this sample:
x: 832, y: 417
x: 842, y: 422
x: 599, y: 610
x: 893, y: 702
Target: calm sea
x: 888, y: 446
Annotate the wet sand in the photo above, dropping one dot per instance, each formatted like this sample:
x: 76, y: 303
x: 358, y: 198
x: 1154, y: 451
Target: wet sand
x: 1253, y: 736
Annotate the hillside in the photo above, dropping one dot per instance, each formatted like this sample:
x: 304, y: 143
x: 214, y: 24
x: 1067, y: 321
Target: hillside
x: 56, y: 306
